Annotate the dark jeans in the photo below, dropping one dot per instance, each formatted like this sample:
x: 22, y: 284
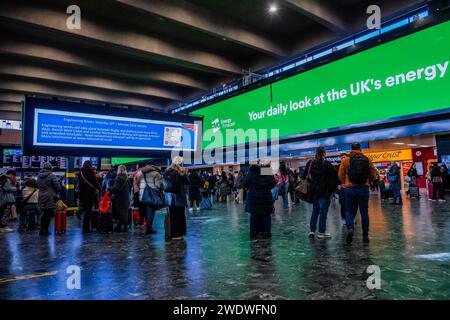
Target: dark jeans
x: 150, y: 216
x: 397, y: 195
x: 320, y: 209
x: 87, y: 211
x: 342, y: 202
x: 438, y: 191
x: 357, y: 197
x: 260, y: 225
x: 46, y: 218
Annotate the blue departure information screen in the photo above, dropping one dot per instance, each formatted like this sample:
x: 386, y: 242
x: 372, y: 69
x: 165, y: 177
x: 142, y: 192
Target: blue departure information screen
x: 56, y: 128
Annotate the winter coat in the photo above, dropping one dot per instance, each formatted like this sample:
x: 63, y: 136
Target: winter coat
x: 88, y: 185
x: 153, y: 176
x: 178, y: 199
x: 322, y: 177
x: 259, y: 194
x: 120, y: 192
x: 195, y: 183
x: 9, y: 189
x: 49, y: 187
x: 223, y: 187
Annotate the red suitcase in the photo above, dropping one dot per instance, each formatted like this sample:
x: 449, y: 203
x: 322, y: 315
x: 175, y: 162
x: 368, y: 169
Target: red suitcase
x: 60, y: 222
x: 430, y: 190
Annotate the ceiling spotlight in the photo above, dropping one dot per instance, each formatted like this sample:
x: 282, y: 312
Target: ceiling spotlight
x: 273, y: 8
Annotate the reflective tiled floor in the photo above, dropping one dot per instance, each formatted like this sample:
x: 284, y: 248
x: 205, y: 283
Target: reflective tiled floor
x: 410, y: 244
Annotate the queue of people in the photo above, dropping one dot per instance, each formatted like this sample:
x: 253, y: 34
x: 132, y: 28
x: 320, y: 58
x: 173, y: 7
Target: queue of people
x: 176, y: 188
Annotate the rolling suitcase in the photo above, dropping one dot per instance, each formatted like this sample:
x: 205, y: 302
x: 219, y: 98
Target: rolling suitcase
x: 60, y: 222
x: 430, y: 190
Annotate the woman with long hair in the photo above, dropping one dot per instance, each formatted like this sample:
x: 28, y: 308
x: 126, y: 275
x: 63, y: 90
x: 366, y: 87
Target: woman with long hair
x: 175, y: 182
x: 120, y: 198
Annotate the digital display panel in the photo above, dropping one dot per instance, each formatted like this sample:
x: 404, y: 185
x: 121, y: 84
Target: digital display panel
x: 403, y: 77
x: 70, y: 128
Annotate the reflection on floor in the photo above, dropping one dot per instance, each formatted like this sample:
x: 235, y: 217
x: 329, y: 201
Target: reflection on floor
x: 410, y: 244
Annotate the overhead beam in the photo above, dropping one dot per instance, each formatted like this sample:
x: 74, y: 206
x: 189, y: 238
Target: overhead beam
x: 211, y: 23
x: 321, y: 12
x: 121, y: 40
x: 10, y: 106
x: 53, y: 89
x: 86, y: 80
x: 10, y: 115
x: 11, y: 97
x: 96, y: 63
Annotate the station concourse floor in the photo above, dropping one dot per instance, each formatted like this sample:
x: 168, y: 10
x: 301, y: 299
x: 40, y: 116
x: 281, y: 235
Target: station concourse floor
x: 410, y: 244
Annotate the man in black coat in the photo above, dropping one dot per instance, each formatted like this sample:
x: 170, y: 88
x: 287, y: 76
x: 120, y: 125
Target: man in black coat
x: 323, y: 180
x: 259, y: 199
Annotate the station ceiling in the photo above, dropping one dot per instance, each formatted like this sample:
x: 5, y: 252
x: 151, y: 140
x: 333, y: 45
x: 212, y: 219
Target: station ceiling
x: 157, y: 53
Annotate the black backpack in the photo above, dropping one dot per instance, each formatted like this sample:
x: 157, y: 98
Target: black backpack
x: 170, y: 181
x: 359, y: 169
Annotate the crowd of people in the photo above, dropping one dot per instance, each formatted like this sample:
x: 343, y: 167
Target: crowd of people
x: 150, y: 188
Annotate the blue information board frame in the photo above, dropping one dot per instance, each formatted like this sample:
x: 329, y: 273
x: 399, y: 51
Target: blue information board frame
x: 65, y: 128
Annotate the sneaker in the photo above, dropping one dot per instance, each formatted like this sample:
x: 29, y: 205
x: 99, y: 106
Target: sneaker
x: 323, y: 235
x: 441, y: 200
x: 349, y: 237
x: 6, y: 230
x: 294, y: 203
x: 344, y: 222
x: 366, y: 239
x: 150, y: 231
x: 312, y: 235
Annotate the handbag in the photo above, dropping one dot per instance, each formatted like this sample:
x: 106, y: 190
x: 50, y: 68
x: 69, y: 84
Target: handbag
x: 304, y: 188
x: 437, y: 179
x: 152, y: 197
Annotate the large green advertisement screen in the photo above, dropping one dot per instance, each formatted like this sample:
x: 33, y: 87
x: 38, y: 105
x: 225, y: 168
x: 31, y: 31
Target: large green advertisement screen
x: 409, y: 75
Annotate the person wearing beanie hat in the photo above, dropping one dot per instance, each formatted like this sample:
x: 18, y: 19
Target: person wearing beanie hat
x: 49, y: 188
x: 259, y: 202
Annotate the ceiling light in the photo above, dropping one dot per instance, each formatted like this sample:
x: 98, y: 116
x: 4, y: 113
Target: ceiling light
x: 273, y: 8
x: 412, y: 144
x: 423, y: 146
x: 399, y: 143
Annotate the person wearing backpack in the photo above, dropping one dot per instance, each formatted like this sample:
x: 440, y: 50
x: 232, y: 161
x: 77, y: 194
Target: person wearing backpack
x: 150, y: 176
x: 49, y: 189
x: 282, y: 187
x: 195, y: 184
x: 393, y: 176
x: 323, y: 183
x: 356, y: 172
x: 175, y: 182
x: 29, y: 205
